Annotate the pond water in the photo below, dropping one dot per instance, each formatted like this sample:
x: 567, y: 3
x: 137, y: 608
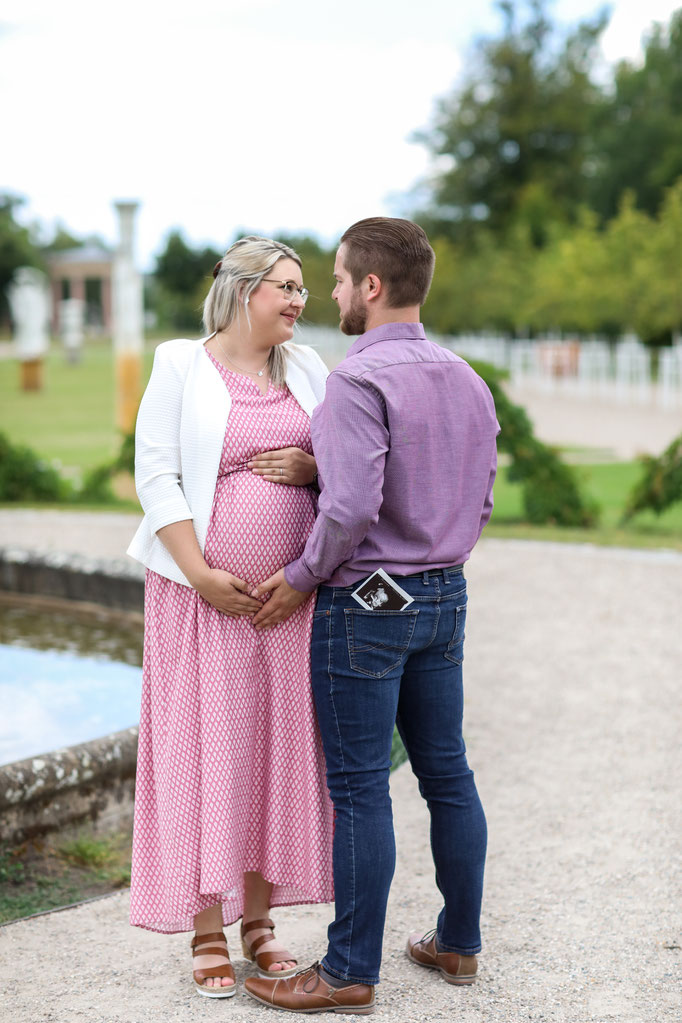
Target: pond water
x: 64, y: 679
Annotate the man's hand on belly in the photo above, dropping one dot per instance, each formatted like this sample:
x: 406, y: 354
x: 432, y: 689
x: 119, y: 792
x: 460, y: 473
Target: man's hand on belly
x: 284, y: 600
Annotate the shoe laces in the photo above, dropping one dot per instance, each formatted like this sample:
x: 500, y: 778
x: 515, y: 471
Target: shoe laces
x: 314, y: 971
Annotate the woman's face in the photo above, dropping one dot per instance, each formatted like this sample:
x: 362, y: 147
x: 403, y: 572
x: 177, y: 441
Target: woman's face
x: 272, y: 314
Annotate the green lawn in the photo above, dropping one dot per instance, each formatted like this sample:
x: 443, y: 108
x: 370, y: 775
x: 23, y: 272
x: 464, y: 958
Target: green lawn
x: 609, y: 484
x: 72, y: 421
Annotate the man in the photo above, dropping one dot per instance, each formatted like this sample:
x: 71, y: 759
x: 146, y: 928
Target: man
x: 405, y: 448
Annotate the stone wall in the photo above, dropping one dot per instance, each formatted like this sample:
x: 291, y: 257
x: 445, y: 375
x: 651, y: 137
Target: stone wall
x: 110, y: 584
x: 94, y: 781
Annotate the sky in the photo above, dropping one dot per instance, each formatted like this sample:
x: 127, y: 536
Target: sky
x: 219, y: 115
x: 53, y: 698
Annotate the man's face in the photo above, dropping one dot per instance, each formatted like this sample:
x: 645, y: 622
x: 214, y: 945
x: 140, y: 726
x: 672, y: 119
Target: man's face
x: 352, y: 306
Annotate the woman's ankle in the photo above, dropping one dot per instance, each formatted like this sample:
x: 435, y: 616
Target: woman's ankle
x: 209, y: 921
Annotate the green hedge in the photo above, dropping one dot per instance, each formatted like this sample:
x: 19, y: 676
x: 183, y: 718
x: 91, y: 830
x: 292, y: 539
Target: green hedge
x: 24, y: 476
x: 661, y: 483
x: 551, y: 491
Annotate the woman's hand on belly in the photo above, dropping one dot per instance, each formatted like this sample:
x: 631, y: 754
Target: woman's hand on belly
x: 286, y: 465
x: 226, y: 593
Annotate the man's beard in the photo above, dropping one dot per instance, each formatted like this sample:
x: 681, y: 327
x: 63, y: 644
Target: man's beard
x: 355, y: 320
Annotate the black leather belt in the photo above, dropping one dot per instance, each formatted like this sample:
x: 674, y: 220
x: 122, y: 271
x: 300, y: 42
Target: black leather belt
x: 433, y: 573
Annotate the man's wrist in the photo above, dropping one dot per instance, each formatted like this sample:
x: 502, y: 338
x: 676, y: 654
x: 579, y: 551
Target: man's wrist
x: 313, y: 466
x: 299, y: 578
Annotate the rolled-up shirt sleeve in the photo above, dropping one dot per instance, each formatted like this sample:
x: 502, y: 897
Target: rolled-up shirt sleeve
x: 350, y: 440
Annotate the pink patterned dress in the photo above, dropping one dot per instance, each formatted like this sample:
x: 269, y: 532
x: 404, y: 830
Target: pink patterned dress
x: 230, y: 774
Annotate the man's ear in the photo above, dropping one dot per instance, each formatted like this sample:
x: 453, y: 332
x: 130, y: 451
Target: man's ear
x: 374, y: 287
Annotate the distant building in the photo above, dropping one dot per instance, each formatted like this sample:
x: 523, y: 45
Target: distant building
x: 84, y: 273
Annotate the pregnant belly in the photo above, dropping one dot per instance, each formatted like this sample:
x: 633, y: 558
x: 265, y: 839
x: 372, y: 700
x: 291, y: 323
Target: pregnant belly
x: 257, y: 527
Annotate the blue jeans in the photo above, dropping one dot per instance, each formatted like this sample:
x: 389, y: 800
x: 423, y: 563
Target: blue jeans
x: 372, y: 669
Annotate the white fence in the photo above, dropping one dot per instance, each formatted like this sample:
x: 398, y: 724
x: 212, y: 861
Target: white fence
x: 626, y: 372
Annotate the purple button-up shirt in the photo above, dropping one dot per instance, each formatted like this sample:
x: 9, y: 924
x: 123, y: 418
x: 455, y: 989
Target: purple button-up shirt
x: 406, y: 456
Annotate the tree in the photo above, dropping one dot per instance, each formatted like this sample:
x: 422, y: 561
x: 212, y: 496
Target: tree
x: 318, y: 275
x: 638, y: 130
x: 62, y: 240
x: 516, y: 133
x: 179, y: 268
x: 661, y: 301
x: 451, y: 299
x: 479, y: 286
x: 628, y: 279
x: 17, y: 248
x: 182, y: 278
x: 564, y: 291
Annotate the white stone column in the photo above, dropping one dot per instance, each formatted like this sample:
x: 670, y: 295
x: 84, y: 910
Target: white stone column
x: 29, y: 303
x: 127, y: 319
x: 72, y: 327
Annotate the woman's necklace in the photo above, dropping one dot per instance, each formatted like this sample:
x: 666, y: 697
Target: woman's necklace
x: 251, y: 372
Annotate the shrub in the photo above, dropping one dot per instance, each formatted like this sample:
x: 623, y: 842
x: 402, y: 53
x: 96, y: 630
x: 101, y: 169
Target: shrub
x: 96, y: 486
x: 24, y: 476
x: 661, y: 482
x: 551, y: 491
x: 125, y: 460
x: 86, y: 852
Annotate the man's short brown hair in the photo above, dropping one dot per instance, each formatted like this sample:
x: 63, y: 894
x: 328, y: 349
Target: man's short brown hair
x: 397, y: 251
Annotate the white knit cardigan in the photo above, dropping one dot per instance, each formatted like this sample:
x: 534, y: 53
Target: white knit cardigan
x: 179, y: 440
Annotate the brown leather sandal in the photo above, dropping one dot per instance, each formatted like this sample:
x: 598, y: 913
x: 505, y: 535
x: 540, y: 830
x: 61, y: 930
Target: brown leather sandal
x: 222, y: 990
x: 264, y: 960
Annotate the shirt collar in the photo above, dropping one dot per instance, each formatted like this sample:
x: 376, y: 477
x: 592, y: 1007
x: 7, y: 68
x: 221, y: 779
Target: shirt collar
x: 388, y: 332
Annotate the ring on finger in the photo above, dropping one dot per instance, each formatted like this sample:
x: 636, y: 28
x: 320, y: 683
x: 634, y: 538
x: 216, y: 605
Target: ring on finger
x: 281, y: 471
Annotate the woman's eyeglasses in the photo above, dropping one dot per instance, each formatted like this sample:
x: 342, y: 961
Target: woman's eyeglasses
x: 289, y: 288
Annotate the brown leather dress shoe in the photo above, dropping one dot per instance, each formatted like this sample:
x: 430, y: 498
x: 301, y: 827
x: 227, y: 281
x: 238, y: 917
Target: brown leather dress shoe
x: 308, y: 992
x: 455, y: 968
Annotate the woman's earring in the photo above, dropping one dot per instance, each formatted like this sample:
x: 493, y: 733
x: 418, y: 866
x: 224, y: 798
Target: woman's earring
x: 246, y: 300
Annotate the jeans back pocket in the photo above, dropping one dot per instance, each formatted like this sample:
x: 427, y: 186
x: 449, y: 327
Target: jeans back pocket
x: 378, y: 640
x: 455, y: 648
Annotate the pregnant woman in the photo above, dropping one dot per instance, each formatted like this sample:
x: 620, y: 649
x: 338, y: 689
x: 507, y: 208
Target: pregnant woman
x: 232, y: 814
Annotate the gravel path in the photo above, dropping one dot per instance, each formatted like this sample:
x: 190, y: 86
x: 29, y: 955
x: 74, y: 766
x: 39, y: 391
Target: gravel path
x: 573, y: 726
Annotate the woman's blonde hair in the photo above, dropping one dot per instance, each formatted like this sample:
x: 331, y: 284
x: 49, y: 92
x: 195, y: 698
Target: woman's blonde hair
x: 240, y: 271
